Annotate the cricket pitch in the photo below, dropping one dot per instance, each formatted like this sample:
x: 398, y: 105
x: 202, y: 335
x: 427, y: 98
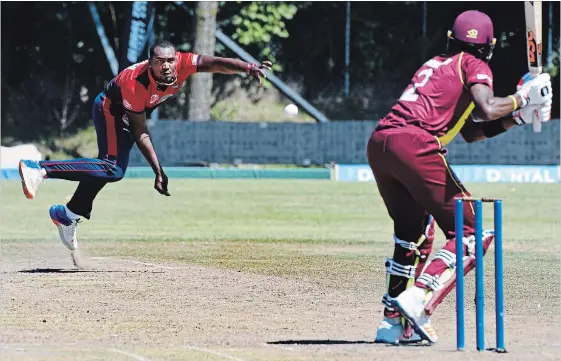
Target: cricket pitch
x: 251, y: 270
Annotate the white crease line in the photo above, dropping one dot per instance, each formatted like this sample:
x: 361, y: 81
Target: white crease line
x: 131, y: 355
x: 136, y: 262
x: 214, y: 353
x: 29, y: 347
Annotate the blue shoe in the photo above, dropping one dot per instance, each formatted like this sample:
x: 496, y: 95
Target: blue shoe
x: 32, y: 176
x: 66, y: 226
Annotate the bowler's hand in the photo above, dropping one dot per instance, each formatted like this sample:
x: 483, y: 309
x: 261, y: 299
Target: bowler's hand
x: 161, y: 183
x: 257, y: 72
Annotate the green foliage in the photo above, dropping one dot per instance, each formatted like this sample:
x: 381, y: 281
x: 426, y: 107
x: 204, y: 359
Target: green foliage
x: 48, y: 86
x: 221, y: 111
x: 83, y: 143
x: 259, y: 23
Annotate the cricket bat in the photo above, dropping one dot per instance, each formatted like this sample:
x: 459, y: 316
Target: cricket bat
x: 533, y: 15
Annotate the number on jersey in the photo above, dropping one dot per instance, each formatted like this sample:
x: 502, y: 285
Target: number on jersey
x: 411, y: 95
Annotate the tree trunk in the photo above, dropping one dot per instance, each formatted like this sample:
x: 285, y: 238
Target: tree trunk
x: 200, y: 89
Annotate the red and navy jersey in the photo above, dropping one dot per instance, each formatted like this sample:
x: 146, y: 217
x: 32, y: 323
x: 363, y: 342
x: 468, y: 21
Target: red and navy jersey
x: 135, y: 89
x: 438, y: 99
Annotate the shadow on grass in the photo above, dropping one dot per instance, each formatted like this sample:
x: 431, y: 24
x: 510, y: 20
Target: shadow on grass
x: 319, y: 342
x: 340, y: 342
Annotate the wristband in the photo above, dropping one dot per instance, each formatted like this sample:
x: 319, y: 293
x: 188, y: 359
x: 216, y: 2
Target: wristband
x: 514, y: 101
x: 250, y: 68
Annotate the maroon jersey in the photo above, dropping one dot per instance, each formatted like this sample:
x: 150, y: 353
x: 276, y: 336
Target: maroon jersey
x: 135, y: 89
x: 438, y: 98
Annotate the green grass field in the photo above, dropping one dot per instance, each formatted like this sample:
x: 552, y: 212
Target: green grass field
x: 233, y: 269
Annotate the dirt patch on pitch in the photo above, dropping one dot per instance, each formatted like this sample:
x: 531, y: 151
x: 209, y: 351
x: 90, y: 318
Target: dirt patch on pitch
x: 148, y: 310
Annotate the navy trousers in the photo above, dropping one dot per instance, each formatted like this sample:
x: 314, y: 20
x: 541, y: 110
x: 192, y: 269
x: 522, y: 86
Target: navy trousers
x: 114, y: 143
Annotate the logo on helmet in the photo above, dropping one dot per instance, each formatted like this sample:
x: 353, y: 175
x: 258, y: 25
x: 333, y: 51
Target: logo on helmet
x: 472, y: 34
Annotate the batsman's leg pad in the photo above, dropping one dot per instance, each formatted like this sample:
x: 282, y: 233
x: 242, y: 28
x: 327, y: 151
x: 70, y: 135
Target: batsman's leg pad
x: 440, y: 274
x: 408, y: 261
x: 425, y: 246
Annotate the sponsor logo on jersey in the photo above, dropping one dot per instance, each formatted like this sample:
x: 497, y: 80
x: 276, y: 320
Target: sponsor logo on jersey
x: 127, y: 104
x: 484, y: 77
x: 154, y: 98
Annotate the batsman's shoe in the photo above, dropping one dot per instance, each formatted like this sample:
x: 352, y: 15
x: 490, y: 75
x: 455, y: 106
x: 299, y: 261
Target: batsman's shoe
x: 66, y: 226
x: 411, y: 304
x: 32, y: 175
x: 391, y: 331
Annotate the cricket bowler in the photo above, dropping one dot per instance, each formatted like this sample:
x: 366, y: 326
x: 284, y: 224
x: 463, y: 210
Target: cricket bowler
x: 119, y: 116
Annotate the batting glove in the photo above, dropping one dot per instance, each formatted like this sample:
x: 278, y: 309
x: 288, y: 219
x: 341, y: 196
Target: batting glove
x: 536, y: 91
x: 533, y: 113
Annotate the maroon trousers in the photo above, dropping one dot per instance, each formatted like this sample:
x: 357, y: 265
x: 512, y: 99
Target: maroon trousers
x: 413, y: 177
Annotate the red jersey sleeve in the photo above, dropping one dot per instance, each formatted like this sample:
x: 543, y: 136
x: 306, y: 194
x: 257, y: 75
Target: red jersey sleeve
x: 134, y: 96
x: 187, y: 63
x: 476, y: 71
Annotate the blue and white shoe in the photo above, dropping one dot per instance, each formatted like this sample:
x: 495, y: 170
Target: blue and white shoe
x: 66, y: 226
x: 32, y: 176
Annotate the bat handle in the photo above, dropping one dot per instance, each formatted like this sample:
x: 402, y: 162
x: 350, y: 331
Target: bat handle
x: 537, y: 126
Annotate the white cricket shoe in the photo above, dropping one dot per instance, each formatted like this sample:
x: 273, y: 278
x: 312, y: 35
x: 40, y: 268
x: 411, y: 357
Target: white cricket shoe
x: 32, y: 175
x: 391, y: 331
x: 66, y: 226
x: 411, y: 304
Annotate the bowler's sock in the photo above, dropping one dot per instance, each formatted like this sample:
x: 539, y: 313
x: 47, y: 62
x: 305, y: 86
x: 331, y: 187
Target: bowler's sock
x: 73, y: 216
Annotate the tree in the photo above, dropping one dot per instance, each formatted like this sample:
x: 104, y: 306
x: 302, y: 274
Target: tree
x: 49, y: 82
x: 260, y: 24
x: 53, y: 68
x: 200, y: 86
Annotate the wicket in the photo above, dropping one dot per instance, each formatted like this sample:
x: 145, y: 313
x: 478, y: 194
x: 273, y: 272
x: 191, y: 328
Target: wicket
x: 479, y: 284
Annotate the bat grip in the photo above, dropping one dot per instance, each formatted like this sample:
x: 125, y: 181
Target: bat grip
x: 537, y: 126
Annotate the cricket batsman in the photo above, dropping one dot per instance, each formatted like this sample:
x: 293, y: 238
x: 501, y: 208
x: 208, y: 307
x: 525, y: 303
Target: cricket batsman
x: 119, y: 115
x: 450, y: 94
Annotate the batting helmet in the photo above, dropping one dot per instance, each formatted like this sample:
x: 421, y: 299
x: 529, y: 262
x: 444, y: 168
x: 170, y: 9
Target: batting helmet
x: 473, y: 33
